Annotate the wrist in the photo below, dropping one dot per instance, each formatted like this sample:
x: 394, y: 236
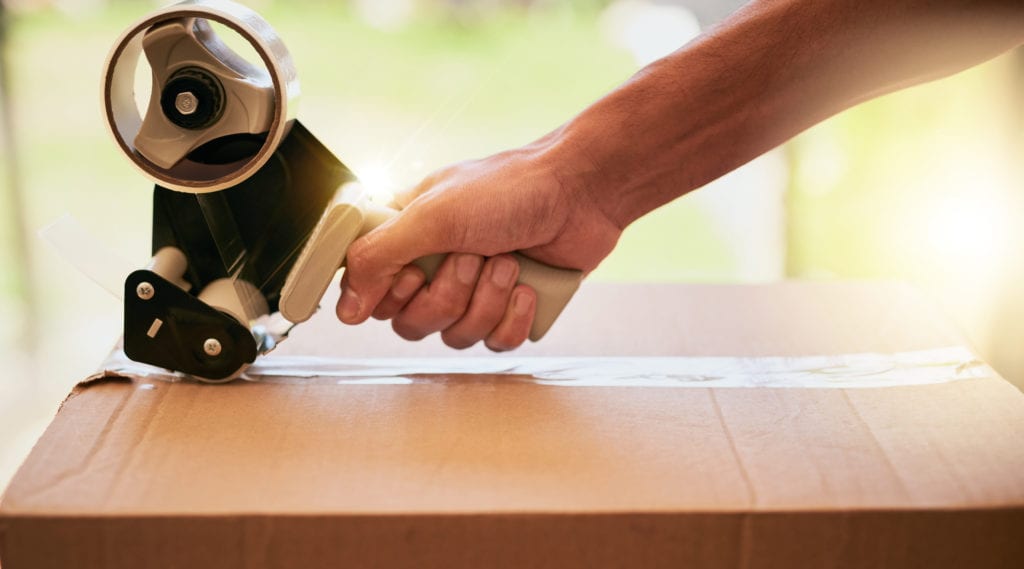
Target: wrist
x: 580, y: 156
x: 621, y: 153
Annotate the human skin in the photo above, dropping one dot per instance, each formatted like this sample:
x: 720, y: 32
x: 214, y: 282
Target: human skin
x: 773, y: 69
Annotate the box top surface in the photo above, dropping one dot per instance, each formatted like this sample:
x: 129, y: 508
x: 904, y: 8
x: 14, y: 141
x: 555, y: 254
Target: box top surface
x: 464, y: 443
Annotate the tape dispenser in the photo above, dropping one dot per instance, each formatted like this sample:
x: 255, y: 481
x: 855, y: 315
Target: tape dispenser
x: 252, y: 215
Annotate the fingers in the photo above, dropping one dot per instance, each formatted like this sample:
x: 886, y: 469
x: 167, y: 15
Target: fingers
x: 368, y: 276
x: 468, y: 303
x: 469, y: 300
x: 444, y: 301
x: 403, y: 287
x: 374, y: 261
x: 515, y: 325
x: 487, y: 307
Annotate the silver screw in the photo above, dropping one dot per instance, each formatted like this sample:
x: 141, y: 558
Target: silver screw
x: 186, y: 103
x: 212, y: 347
x: 144, y: 290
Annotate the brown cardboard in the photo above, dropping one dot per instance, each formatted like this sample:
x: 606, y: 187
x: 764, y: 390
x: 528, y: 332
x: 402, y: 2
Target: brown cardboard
x: 479, y: 471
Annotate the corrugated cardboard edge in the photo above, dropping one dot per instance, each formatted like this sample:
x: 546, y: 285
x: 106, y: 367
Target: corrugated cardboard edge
x: 104, y: 376
x: 972, y: 537
x: 100, y: 377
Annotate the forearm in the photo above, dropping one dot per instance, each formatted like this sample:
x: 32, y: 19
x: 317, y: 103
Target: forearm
x: 772, y: 70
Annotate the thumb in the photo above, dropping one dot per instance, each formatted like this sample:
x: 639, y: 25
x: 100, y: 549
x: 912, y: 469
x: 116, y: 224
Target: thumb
x: 373, y: 260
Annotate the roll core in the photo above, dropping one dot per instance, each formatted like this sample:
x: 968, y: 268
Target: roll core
x: 125, y: 121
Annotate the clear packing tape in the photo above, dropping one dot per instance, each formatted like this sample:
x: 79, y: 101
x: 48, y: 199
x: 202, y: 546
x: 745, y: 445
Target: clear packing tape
x: 863, y: 370
x: 84, y: 251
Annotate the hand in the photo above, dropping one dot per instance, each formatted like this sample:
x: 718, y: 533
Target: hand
x: 529, y: 200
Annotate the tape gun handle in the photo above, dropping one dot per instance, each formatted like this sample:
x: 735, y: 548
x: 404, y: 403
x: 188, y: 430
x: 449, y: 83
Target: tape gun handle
x: 554, y: 286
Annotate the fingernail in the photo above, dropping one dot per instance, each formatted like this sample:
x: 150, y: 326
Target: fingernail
x: 466, y: 268
x: 522, y: 304
x: 503, y: 272
x: 406, y: 285
x: 350, y: 305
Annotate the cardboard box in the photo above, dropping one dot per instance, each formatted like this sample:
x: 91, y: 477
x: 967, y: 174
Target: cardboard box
x: 500, y: 470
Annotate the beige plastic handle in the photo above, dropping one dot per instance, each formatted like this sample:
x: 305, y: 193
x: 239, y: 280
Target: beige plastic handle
x: 352, y: 216
x: 554, y: 286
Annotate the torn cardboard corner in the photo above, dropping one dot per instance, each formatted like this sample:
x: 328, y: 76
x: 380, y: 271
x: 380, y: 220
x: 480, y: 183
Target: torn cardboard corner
x: 481, y: 471
x: 103, y: 376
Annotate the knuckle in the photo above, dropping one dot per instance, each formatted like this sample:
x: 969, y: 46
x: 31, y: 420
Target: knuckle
x: 457, y: 341
x: 503, y: 273
x: 505, y: 339
x: 383, y: 312
x: 506, y: 258
x: 449, y: 308
x: 485, y: 316
x: 407, y: 331
x: 356, y: 257
x: 496, y: 346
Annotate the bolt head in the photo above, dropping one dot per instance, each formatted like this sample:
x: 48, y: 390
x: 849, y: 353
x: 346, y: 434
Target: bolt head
x: 212, y: 347
x: 186, y: 102
x: 144, y: 290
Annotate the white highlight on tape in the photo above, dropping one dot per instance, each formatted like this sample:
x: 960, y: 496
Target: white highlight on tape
x: 921, y: 367
x: 88, y: 254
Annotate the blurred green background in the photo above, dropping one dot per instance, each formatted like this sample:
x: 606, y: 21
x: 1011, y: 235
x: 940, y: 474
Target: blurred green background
x: 924, y: 185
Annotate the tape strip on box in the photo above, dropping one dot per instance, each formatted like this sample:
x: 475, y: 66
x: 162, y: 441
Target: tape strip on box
x: 845, y: 371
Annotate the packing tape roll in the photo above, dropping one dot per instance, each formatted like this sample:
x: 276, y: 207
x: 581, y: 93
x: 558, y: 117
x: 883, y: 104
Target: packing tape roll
x: 125, y: 121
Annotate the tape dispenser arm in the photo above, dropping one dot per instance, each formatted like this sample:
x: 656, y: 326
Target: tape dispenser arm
x: 240, y: 186
x: 236, y: 249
